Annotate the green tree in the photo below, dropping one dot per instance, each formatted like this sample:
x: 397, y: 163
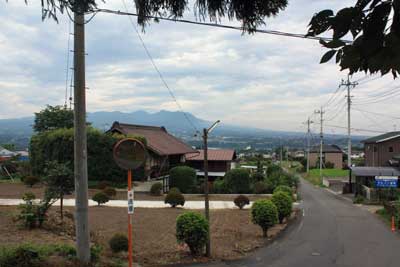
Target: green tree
x: 184, y: 178
x: 53, y: 117
x: 374, y: 27
x: 60, y: 180
x: 283, y: 202
x: 10, y: 147
x: 265, y: 214
x: 238, y: 181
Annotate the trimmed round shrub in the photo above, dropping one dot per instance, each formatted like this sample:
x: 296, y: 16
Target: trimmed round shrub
x: 284, y: 188
x: 156, y: 189
x: 264, y: 213
x: 184, y: 178
x: 241, y: 201
x: 174, y: 198
x: 110, y: 191
x: 283, y: 202
x: 118, y: 243
x: 288, y: 180
x: 100, y: 198
x: 31, y: 180
x: 103, y: 184
x: 28, y: 196
x: 238, y: 181
x: 220, y: 187
x: 192, y: 228
x: 260, y: 188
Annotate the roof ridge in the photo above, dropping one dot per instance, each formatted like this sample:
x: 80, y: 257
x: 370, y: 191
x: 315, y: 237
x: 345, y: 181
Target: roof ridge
x: 161, y: 128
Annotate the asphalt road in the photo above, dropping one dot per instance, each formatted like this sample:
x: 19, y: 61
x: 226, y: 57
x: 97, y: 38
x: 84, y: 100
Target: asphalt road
x: 332, y: 232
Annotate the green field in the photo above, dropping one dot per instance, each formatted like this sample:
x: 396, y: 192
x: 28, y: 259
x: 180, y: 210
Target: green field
x: 314, y: 177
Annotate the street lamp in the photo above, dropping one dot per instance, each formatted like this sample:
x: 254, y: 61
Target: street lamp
x: 206, y: 132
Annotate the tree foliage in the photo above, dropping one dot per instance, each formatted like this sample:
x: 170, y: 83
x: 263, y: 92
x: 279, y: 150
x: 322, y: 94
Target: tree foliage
x: 374, y: 26
x: 192, y: 228
x: 251, y: 13
x: 53, y: 117
x: 60, y: 180
x: 58, y: 145
x: 184, y: 178
x: 238, y: 181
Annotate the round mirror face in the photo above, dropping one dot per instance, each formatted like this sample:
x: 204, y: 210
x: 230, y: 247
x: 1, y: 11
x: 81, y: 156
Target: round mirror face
x: 129, y: 154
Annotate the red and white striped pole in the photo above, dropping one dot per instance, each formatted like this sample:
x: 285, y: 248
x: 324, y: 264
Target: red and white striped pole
x: 130, y: 216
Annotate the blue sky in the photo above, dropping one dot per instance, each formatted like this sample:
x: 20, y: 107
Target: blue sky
x: 259, y: 80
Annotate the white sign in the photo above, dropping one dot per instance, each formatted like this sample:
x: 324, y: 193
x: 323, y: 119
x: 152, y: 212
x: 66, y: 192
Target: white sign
x: 386, y: 177
x: 131, y: 207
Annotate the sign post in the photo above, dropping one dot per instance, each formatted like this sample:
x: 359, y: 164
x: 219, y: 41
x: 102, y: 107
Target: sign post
x: 130, y: 154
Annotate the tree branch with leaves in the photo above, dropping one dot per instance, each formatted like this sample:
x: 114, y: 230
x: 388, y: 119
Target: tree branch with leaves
x: 373, y: 25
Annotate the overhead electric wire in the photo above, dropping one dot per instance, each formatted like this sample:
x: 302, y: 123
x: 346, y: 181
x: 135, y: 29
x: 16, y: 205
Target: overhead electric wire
x: 158, y: 71
x: 280, y: 33
x: 379, y: 99
x: 374, y: 122
x: 354, y: 129
x: 378, y: 114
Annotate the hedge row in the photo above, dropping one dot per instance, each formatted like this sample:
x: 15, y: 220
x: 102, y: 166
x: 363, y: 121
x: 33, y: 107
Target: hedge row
x: 58, y: 145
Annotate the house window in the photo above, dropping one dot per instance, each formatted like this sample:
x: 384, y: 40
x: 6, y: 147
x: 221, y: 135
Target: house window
x: 390, y: 149
x: 375, y: 149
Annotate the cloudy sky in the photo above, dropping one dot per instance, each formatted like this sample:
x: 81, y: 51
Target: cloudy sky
x: 259, y: 80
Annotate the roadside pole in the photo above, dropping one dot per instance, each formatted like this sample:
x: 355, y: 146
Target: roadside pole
x: 207, y: 202
x: 80, y: 142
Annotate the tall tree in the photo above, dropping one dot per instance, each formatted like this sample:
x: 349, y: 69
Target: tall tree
x: 374, y: 29
x: 53, y: 117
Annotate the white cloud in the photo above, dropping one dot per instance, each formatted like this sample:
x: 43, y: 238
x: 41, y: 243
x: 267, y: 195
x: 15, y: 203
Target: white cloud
x: 257, y: 80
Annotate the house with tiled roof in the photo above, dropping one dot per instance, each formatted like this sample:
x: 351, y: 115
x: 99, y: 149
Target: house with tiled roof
x: 219, y: 161
x: 382, y: 150
x: 165, y: 151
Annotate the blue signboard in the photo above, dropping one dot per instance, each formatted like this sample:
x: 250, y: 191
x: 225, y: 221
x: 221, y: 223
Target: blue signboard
x: 386, y: 181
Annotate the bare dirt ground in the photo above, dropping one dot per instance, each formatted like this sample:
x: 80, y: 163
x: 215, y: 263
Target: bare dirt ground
x: 16, y: 190
x: 154, y: 242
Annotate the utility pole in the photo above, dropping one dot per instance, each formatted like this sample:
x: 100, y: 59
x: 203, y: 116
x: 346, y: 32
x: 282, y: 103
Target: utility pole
x: 206, y: 189
x: 321, y: 113
x: 308, y: 143
x: 349, y: 86
x: 80, y: 143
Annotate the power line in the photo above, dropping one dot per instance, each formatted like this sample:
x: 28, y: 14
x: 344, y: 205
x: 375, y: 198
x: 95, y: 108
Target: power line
x: 157, y: 69
x: 354, y: 129
x: 378, y: 114
x: 280, y: 33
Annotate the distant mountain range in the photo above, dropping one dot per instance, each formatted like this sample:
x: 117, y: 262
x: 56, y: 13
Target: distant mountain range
x: 19, y: 130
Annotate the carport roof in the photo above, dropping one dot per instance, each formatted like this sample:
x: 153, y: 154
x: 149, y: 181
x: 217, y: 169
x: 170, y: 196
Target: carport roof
x: 375, y: 171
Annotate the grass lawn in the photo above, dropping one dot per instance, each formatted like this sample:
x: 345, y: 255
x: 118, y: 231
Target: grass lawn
x: 315, y: 178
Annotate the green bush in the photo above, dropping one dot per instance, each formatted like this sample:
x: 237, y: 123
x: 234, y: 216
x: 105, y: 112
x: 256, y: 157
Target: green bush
x: 284, y: 188
x: 288, y: 180
x: 220, y: 187
x: 184, y: 178
x: 100, y: 198
x: 272, y: 181
x: 257, y: 177
x: 28, y: 196
x: 58, y: 145
x: 156, y: 189
x: 273, y: 169
x: 260, y: 187
x: 283, y: 202
x: 174, y: 198
x: 329, y: 165
x: 265, y: 214
x: 118, y: 243
x: 359, y: 199
x: 95, y: 252
x: 238, y: 181
x: 31, y: 180
x: 192, y: 228
x: 110, y: 191
x: 241, y: 201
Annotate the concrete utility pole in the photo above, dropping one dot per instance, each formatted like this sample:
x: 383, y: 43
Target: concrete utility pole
x: 321, y: 113
x: 308, y: 143
x: 80, y: 144
x: 349, y: 86
x: 206, y: 189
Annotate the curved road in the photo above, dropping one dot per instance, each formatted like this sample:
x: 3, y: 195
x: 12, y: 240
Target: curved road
x: 332, y: 232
